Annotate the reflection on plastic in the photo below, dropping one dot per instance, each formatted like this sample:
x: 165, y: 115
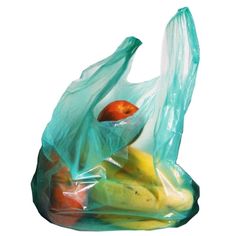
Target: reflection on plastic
x: 122, y: 174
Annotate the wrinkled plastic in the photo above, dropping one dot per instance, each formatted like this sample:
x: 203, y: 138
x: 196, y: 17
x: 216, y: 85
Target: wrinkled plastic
x: 122, y: 174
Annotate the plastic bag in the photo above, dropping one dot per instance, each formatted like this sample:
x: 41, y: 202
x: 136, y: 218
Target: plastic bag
x: 122, y: 174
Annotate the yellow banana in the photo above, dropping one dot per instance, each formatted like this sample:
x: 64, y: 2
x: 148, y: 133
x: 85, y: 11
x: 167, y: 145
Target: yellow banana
x: 172, y: 196
x: 114, y: 172
x: 166, y: 193
x: 136, y: 223
x: 124, y: 196
x: 138, y: 164
x: 178, y: 200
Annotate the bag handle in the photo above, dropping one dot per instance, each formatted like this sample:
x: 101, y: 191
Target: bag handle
x: 180, y: 58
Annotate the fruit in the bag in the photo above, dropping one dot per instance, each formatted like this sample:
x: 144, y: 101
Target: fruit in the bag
x: 139, y: 170
x: 138, y: 164
x: 67, y: 203
x: 124, y: 196
x: 114, y: 172
x: 118, y: 174
x: 117, y: 110
x: 179, y: 200
x: 135, y: 222
x: 67, y: 199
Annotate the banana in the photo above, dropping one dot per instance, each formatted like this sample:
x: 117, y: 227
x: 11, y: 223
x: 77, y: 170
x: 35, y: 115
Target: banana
x: 173, y: 197
x: 178, y: 200
x: 139, y: 164
x: 167, y: 195
x: 116, y: 173
x: 136, y: 223
x: 124, y: 196
x: 153, y: 194
x: 181, y: 200
x: 113, y: 172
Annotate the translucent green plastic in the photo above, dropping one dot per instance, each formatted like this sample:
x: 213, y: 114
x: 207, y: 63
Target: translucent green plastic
x: 117, y: 175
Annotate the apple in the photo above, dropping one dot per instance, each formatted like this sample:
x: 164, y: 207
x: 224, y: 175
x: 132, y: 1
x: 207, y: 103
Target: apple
x: 117, y: 110
x: 67, y: 198
x: 67, y: 201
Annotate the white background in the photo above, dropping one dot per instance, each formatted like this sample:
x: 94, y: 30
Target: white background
x: 44, y: 45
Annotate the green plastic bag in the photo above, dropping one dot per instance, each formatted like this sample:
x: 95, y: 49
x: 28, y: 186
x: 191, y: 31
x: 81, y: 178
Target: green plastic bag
x: 122, y: 174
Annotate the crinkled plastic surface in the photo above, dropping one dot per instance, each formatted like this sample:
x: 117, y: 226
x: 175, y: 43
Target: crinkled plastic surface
x: 116, y: 175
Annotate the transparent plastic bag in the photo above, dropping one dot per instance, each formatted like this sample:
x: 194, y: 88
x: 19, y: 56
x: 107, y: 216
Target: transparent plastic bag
x: 122, y: 174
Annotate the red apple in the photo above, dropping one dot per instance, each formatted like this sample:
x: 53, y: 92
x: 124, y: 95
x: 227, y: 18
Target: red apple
x: 66, y: 203
x: 117, y: 110
x: 67, y: 199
